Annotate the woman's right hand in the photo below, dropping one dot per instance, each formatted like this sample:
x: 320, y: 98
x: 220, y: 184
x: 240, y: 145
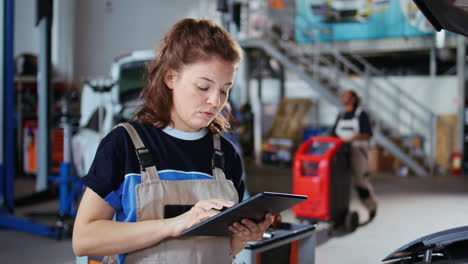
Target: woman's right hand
x: 201, y: 211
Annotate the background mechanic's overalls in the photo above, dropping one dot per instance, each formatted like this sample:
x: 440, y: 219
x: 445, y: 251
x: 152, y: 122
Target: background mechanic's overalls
x: 153, y: 194
x: 346, y: 129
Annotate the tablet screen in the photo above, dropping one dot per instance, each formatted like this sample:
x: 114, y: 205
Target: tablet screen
x: 253, y: 208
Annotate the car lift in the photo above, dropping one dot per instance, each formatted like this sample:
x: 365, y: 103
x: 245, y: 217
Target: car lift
x: 69, y: 186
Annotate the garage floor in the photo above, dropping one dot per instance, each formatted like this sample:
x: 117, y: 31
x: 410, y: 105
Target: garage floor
x: 409, y: 208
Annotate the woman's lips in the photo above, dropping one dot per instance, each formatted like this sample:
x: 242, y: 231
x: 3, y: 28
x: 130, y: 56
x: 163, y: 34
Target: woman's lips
x: 207, y: 115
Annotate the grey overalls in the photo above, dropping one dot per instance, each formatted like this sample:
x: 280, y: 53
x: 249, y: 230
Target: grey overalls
x: 153, y: 194
x: 346, y: 129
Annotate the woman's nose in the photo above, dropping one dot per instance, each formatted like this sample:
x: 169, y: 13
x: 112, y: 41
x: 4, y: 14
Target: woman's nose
x: 214, y: 98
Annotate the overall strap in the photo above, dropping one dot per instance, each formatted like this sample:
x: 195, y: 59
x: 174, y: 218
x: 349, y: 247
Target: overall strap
x: 358, y: 111
x: 145, y: 157
x: 218, y: 159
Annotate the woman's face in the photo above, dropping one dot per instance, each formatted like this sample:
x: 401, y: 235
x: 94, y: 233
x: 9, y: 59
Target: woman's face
x: 347, y: 98
x: 199, y: 92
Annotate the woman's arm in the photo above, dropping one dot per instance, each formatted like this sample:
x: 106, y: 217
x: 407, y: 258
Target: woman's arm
x: 95, y: 234
x: 237, y: 245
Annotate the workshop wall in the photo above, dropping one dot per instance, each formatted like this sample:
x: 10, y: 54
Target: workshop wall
x: 26, y: 33
x: 438, y: 94
x: 62, y: 46
x: 106, y: 29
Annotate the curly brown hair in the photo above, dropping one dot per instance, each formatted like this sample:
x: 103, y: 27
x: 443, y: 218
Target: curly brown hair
x: 187, y: 42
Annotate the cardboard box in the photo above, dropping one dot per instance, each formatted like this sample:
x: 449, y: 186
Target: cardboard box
x: 446, y: 134
x: 380, y: 160
x: 416, y: 140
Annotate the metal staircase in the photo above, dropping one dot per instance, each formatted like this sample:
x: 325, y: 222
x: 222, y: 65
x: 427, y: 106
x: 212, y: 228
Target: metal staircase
x: 393, y: 112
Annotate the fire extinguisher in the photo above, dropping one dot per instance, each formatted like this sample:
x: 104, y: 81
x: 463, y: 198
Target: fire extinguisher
x: 456, y: 163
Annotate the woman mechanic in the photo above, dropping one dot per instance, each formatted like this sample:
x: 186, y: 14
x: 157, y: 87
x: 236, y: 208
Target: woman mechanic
x: 169, y: 169
x: 353, y: 125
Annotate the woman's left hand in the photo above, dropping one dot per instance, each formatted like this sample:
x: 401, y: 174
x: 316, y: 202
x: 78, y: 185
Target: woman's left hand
x: 246, y: 230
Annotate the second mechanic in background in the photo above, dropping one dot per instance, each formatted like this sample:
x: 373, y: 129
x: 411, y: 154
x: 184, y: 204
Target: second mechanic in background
x: 353, y: 126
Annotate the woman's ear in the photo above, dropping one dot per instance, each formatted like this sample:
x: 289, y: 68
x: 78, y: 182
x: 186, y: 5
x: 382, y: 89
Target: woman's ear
x: 169, y: 78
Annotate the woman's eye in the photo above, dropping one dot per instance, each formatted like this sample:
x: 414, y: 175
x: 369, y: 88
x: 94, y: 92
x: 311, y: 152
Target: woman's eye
x: 224, y: 92
x: 202, y: 88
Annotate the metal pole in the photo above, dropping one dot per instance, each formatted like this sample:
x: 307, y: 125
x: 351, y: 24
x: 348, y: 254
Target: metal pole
x: 65, y: 166
x: 247, y: 77
x: 44, y: 20
x: 433, y: 62
x: 260, y: 72
x: 461, y: 61
x: 2, y: 100
x: 258, y: 112
x: 433, y: 143
x: 67, y: 132
x: 8, y: 165
x: 282, y: 82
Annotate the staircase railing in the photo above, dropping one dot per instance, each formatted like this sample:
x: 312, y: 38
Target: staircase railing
x: 288, y: 60
x: 340, y: 69
x: 327, y: 70
x: 406, y: 107
x: 408, y: 114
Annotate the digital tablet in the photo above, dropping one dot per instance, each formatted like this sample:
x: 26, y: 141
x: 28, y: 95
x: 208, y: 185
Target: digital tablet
x: 253, y: 208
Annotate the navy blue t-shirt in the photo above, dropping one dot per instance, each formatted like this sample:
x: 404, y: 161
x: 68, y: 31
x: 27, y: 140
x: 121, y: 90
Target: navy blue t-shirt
x: 365, y: 126
x: 178, y: 155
